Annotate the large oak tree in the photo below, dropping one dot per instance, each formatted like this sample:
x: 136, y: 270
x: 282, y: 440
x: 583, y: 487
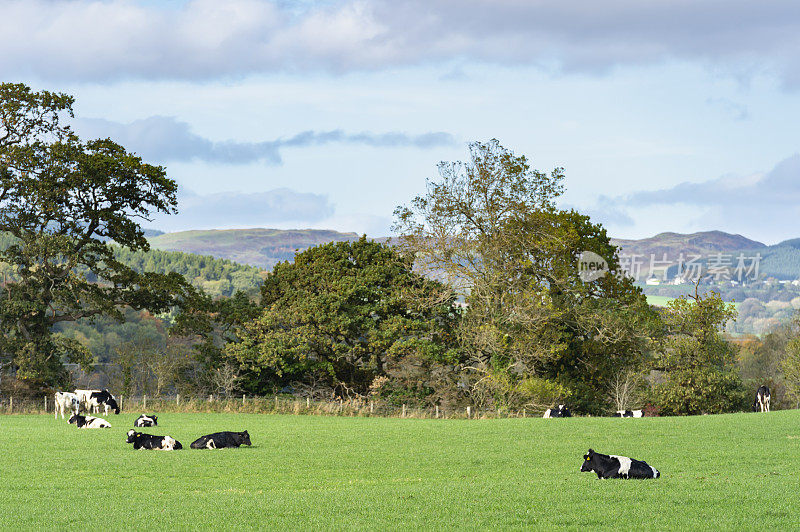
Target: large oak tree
x: 63, y: 200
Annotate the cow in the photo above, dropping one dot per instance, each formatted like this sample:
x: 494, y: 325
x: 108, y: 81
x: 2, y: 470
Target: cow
x: 92, y: 399
x: 561, y: 411
x: 66, y: 402
x: 761, y: 403
x: 628, y: 413
x: 148, y: 441
x: 89, y: 422
x: 146, y: 421
x: 220, y: 440
x: 612, y: 466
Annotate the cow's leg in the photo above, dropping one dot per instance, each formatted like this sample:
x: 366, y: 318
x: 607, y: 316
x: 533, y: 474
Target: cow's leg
x: 767, y: 404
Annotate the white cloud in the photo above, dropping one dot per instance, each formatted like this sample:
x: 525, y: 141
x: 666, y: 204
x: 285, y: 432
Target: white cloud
x: 207, y: 39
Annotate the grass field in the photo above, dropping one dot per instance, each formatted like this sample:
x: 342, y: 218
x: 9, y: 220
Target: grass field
x: 738, y: 471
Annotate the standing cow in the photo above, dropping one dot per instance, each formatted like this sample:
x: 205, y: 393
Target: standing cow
x: 91, y: 400
x: 66, y: 402
x: 761, y: 403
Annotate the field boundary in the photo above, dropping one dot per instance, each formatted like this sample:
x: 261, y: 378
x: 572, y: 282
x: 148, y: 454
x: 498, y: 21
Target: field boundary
x: 275, y: 404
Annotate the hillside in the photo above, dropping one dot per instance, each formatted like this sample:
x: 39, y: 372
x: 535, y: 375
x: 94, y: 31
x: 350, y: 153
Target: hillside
x: 258, y: 247
x: 673, y: 244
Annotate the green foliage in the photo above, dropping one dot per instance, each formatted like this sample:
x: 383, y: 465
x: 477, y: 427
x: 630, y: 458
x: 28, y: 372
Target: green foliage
x: 61, y: 199
x: 791, y: 365
x: 341, y: 315
x: 696, y: 361
x: 490, y: 228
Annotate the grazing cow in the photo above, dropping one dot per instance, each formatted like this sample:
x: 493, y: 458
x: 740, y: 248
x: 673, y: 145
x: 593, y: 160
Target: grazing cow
x: 67, y: 402
x: 92, y: 399
x: 89, y: 422
x: 561, y: 411
x: 612, y: 466
x: 146, y: 421
x: 762, y: 399
x: 220, y: 440
x: 628, y: 413
x: 148, y: 441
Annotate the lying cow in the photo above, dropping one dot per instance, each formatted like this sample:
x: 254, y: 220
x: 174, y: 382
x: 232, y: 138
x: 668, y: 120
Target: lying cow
x: 628, y: 413
x: 561, y: 411
x: 91, y: 400
x: 220, y: 440
x: 89, y: 422
x: 762, y: 399
x: 612, y: 466
x: 67, y: 402
x: 148, y: 441
x: 146, y: 421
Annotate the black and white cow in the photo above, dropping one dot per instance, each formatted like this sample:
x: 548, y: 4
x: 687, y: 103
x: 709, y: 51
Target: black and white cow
x: 146, y: 421
x: 89, y: 422
x: 148, y: 441
x: 66, y: 402
x: 628, y: 413
x: 91, y: 400
x: 612, y: 466
x: 220, y: 440
x: 762, y: 399
x: 561, y: 411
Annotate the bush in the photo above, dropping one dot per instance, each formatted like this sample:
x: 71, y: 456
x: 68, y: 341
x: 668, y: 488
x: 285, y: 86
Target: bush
x: 700, y: 391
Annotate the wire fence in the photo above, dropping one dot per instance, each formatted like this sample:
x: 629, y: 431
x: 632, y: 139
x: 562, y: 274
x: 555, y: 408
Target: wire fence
x: 277, y: 404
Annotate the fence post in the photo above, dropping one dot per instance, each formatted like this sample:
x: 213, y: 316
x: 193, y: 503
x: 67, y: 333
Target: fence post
x: 144, y: 402
x: 243, y: 398
x: 121, y: 401
x: 469, y: 412
x: 524, y: 414
x: 404, y: 410
x: 210, y: 397
x: 308, y: 402
x: 437, y: 411
x: 371, y: 407
x: 45, y: 404
x: 178, y: 399
x: 11, y: 404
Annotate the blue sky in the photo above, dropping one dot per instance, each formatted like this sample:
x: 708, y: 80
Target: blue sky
x: 667, y: 116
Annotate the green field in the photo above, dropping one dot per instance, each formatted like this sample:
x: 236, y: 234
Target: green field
x: 731, y: 471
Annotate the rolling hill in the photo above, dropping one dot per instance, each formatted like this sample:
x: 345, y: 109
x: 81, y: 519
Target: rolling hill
x: 257, y: 247
x: 673, y: 244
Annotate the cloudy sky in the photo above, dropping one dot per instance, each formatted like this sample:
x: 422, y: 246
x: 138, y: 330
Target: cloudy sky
x: 666, y: 115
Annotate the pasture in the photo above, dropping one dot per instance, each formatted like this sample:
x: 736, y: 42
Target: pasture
x: 727, y: 471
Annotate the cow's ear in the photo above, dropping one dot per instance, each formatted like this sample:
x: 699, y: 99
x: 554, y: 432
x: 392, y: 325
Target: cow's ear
x: 591, y: 451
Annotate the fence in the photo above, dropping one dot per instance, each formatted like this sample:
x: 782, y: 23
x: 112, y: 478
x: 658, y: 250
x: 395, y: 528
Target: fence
x: 278, y: 404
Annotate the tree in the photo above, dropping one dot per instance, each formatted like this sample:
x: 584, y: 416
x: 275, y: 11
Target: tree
x: 61, y: 201
x: 698, y: 368
x: 490, y: 228
x: 340, y: 316
x: 791, y: 364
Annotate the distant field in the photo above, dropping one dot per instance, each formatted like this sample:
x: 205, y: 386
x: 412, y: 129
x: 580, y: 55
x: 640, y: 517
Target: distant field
x: 310, y: 472
x: 661, y: 301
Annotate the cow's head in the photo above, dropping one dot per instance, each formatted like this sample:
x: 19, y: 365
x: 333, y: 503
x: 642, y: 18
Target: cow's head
x: 132, y: 434
x: 588, y: 461
x: 73, y: 419
x: 112, y: 403
x: 246, y: 438
x: 155, y: 419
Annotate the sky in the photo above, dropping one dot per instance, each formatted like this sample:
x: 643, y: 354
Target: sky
x: 665, y: 115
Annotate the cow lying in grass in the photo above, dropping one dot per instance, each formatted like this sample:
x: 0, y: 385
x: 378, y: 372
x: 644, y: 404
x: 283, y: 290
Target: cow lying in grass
x: 612, y: 466
x: 561, y: 411
x: 148, y: 441
x: 628, y: 413
x: 89, y: 422
x: 67, y: 402
x: 220, y: 440
x: 146, y: 421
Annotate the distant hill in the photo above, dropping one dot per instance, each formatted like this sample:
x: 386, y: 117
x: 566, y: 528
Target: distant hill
x: 258, y: 247
x: 673, y: 244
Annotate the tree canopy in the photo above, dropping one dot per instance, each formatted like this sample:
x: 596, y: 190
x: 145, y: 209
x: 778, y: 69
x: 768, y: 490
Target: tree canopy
x: 61, y: 201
